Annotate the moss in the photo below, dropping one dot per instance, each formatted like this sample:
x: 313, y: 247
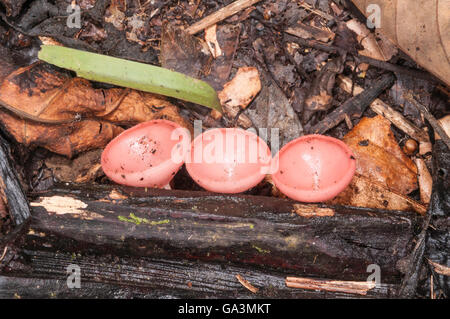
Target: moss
x: 260, y: 250
x: 138, y: 220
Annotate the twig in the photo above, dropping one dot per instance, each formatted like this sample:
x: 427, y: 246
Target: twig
x: 315, y: 11
x: 383, y: 109
x: 376, y: 63
x: 431, y: 286
x: 440, y: 269
x: 246, y: 284
x: 430, y: 118
x: 352, y: 287
x: 220, y: 15
x: 355, y: 106
x: 4, y: 253
x: 396, y: 68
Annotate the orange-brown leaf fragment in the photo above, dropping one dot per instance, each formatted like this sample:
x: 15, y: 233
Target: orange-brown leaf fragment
x: 240, y: 91
x: 379, y: 157
x: 67, y: 115
x: 364, y: 192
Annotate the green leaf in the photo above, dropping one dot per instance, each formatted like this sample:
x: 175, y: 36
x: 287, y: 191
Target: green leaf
x: 135, y: 75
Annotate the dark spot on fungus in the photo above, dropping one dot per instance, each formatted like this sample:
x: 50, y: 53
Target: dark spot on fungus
x: 351, y: 157
x: 123, y: 176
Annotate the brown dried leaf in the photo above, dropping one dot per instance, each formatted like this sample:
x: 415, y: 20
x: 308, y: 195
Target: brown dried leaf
x: 420, y: 28
x: 190, y: 55
x: 81, y: 169
x: 381, y: 49
x: 242, y: 89
x: 379, y: 157
x: 227, y: 38
x: 305, y: 31
x: 184, y: 53
x: 364, y: 192
x: 67, y: 116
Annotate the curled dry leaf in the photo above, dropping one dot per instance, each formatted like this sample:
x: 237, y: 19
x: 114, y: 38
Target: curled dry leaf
x: 382, y: 49
x: 67, y: 115
x: 364, y: 192
x: 319, y: 97
x: 379, y: 157
x: 420, y: 28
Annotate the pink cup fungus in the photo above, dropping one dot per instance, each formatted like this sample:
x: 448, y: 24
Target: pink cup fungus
x: 146, y: 155
x: 313, y: 168
x: 228, y: 160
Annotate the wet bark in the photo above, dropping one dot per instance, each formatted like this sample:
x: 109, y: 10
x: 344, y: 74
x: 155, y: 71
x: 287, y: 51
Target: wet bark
x: 248, y: 232
x: 10, y: 189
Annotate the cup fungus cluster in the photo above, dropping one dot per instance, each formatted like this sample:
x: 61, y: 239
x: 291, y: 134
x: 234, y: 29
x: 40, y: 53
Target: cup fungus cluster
x: 311, y: 168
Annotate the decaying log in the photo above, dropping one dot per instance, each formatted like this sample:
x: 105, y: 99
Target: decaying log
x: 44, y: 275
x: 10, y: 189
x: 353, y: 287
x: 255, y: 231
x: 438, y: 237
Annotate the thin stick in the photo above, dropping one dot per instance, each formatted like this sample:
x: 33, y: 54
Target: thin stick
x: 318, y: 45
x: 430, y: 118
x: 352, y: 287
x: 220, y: 15
x: 383, y: 109
x: 315, y: 11
x: 4, y: 253
x: 440, y: 269
x: 355, y: 106
x: 246, y: 284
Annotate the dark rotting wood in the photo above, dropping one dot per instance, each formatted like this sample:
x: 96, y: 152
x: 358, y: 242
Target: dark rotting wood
x: 355, y: 106
x: 255, y: 231
x: 10, y: 188
x: 438, y: 236
x: 44, y: 274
